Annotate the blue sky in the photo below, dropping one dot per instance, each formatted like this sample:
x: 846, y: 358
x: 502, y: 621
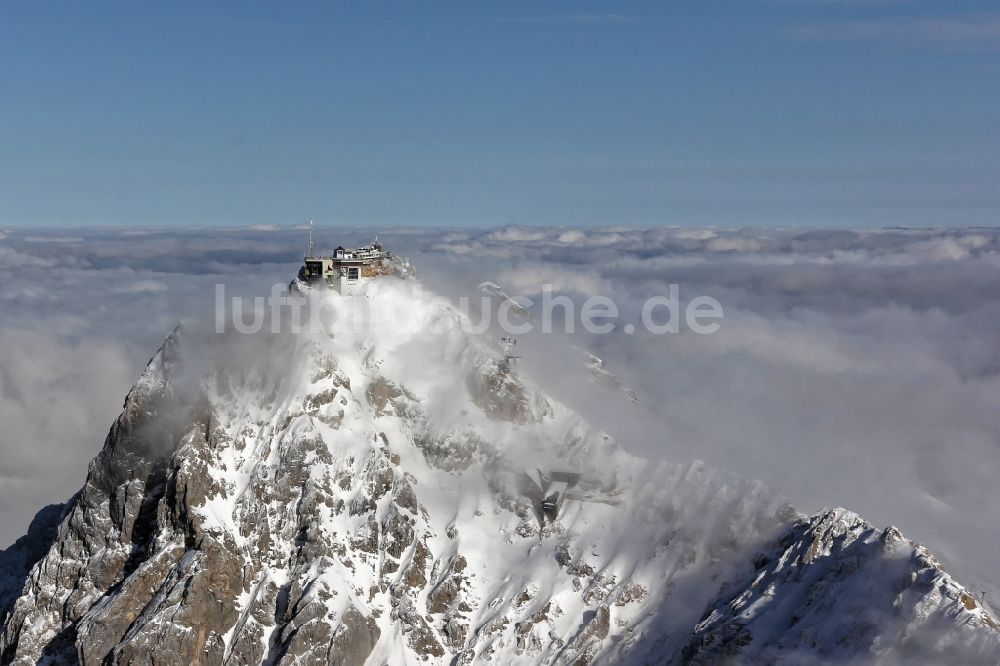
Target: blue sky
x: 701, y: 112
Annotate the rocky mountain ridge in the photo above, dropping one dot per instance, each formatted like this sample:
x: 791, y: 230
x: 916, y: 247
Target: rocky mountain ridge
x: 355, y: 494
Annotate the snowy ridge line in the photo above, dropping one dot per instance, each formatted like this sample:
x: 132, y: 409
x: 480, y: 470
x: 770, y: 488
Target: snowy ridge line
x: 356, y: 495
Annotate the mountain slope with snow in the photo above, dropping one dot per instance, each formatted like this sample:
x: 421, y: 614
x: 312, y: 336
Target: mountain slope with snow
x: 361, y: 493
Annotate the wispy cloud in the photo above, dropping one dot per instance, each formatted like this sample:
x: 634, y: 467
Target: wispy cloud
x: 934, y: 29
x: 838, y: 346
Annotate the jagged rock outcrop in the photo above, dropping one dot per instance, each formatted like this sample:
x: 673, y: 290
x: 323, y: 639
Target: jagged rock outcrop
x: 502, y: 397
x: 17, y: 561
x: 840, y: 588
x: 355, y: 495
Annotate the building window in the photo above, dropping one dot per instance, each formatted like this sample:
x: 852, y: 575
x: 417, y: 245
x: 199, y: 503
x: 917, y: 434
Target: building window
x: 352, y: 273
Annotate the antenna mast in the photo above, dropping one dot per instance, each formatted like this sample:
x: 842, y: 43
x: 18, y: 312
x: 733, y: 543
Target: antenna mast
x: 312, y: 245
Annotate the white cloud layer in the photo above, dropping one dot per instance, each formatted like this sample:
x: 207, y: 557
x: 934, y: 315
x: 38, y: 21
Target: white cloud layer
x: 854, y: 368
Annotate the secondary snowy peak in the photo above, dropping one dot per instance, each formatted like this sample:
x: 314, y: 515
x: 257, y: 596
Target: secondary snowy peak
x: 834, y: 588
x: 381, y: 488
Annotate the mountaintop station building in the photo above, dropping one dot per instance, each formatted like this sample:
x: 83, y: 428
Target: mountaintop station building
x: 346, y: 268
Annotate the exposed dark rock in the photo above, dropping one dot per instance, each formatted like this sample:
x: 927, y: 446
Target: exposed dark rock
x: 387, y: 399
x: 353, y: 640
x: 17, y: 560
x: 502, y: 397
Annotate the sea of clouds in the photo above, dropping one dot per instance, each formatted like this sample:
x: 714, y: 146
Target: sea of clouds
x: 856, y: 368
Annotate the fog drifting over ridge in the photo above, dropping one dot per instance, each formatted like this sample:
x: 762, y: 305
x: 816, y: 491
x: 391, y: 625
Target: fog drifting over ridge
x: 855, y: 368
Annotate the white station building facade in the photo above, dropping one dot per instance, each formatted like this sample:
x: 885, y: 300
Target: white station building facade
x: 345, y: 269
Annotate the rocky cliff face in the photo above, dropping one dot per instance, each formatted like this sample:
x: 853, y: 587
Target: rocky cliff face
x: 833, y: 588
x: 17, y: 561
x: 357, y: 495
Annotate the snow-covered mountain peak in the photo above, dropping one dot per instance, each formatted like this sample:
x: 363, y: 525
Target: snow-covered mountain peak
x: 382, y: 488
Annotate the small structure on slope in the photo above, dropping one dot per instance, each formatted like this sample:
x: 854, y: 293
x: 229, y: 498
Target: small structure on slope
x: 509, y: 362
x: 548, y: 490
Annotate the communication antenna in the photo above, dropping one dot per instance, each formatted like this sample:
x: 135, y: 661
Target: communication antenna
x: 312, y: 245
x: 508, y: 344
